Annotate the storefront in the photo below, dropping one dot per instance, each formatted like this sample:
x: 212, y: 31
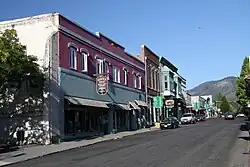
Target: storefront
x: 84, y: 118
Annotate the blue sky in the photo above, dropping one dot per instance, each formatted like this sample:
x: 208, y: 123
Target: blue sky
x: 168, y: 27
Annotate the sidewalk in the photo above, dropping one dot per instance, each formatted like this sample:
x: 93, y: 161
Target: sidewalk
x: 28, y: 153
x: 240, y: 156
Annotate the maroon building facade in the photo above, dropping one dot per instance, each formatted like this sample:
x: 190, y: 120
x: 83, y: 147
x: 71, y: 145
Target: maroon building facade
x: 83, y: 56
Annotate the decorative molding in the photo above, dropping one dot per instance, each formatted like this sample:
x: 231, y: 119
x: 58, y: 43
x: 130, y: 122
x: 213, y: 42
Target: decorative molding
x: 98, y: 57
x: 106, y: 60
x: 84, y: 50
x: 71, y: 44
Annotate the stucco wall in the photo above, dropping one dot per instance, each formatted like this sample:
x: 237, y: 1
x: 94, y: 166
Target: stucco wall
x: 36, y: 34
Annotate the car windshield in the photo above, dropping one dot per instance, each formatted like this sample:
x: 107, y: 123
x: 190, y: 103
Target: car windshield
x: 187, y: 115
x: 168, y: 119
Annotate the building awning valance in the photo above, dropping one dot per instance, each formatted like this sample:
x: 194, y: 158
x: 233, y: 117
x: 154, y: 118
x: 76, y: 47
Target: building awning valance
x: 86, y: 102
x: 123, y: 106
x: 141, y: 103
x: 134, y: 106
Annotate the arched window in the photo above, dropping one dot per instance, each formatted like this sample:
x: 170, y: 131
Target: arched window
x: 126, y: 73
x: 72, y: 55
x: 134, y: 80
x: 139, y: 82
x: 84, y: 60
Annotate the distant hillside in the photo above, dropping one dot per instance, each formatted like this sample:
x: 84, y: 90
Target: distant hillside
x: 226, y: 86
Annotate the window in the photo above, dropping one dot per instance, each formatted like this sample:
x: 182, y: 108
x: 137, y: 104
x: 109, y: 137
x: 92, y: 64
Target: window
x: 116, y: 74
x: 73, y: 58
x: 139, y: 80
x: 151, y: 78
x: 106, y: 68
x: 134, y: 80
x: 155, y: 80
x: 166, y: 82
x: 84, y: 61
x: 125, y: 77
x: 166, y: 85
x: 99, y: 66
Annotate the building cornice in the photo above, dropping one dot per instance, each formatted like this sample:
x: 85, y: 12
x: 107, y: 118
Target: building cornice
x: 164, y: 61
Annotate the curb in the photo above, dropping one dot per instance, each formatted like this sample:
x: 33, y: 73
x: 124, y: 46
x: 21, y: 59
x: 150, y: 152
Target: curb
x: 2, y: 164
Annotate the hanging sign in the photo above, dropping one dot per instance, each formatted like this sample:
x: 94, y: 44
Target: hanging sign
x: 101, y: 84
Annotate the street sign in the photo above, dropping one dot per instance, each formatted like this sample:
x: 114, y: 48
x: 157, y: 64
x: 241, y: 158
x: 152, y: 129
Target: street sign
x: 157, y: 102
x: 196, y: 106
x: 101, y: 84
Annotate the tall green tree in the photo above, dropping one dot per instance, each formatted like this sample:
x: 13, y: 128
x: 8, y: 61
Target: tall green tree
x: 241, y: 87
x: 224, y: 105
x: 21, y: 79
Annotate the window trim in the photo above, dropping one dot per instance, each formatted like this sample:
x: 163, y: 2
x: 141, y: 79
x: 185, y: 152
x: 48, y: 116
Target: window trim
x: 139, y: 82
x: 99, y: 60
x: 134, y: 80
x: 83, y: 50
x: 126, y: 75
x: 71, y: 44
x: 116, y: 69
x: 106, y: 62
x: 71, y: 48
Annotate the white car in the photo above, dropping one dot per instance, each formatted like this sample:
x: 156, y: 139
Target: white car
x: 241, y: 115
x: 188, y: 118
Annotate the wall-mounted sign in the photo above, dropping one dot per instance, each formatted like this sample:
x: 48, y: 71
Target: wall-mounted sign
x: 157, y: 101
x: 101, y: 84
x: 169, y: 103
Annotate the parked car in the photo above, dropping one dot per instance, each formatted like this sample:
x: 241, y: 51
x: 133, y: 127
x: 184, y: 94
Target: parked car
x: 201, y: 117
x: 241, y: 116
x: 188, y: 118
x: 171, y: 122
x: 229, y: 116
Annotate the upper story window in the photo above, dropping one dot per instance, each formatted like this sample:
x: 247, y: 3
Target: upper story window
x: 152, y: 78
x: 149, y: 76
x: 116, y: 74
x: 84, y: 62
x: 134, y: 80
x: 99, y: 66
x: 106, y: 68
x: 125, y: 76
x: 139, y: 82
x: 156, y: 80
x: 166, y: 82
x: 73, y: 57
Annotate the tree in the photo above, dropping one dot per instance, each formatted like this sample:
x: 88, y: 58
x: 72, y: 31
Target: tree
x: 241, y: 87
x: 21, y: 79
x: 224, y: 105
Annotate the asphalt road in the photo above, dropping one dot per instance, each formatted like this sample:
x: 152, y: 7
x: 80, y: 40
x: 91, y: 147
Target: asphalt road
x: 206, y: 144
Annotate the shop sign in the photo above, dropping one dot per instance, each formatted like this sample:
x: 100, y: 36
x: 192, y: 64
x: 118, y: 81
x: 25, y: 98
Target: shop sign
x: 101, y: 84
x: 169, y: 103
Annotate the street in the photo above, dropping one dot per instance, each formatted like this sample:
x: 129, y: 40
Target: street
x: 206, y: 144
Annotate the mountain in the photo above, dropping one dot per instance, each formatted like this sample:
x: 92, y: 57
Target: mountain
x: 227, y: 86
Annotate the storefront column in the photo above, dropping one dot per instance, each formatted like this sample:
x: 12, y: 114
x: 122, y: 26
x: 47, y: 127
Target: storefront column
x: 110, y: 120
x: 150, y: 113
x: 154, y: 114
x: 127, y: 120
x: 134, y: 120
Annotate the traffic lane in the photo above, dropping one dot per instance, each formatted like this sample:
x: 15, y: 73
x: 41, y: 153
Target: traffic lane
x: 205, y: 143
